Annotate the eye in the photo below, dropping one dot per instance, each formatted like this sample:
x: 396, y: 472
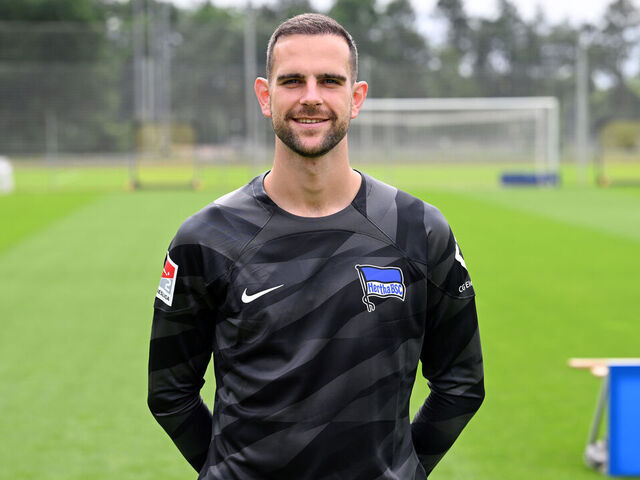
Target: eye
x: 291, y: 81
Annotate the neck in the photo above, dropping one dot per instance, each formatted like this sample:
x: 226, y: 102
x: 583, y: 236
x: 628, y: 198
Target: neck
x: 312, y: 187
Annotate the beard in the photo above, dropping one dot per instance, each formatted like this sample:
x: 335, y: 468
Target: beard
x: 285, y: 133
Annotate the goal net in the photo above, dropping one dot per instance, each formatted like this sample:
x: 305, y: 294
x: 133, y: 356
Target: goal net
x: 519, y: 135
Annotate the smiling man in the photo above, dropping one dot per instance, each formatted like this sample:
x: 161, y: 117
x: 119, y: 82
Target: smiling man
x: 316, y: 102
x: 317, y: 289
x: 311, y: 96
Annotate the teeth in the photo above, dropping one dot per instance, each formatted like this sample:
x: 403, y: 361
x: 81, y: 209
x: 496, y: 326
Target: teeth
x: 309, y: 120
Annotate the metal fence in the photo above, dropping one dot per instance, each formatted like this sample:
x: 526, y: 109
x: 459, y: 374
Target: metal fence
x: 96, y: 91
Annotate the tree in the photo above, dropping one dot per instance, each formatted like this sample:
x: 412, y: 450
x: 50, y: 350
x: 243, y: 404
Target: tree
x: 393, y: 54
x: 207, y: 72
x: 362, y: 20
x: 70, y: 36
x: 612, y: 47
x: 459, y: 35
x: 452, y: 72
x: 60, y: 63
x: 51, y: 10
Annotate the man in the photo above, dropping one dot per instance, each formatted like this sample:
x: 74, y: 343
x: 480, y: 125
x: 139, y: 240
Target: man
x: 317, y: 289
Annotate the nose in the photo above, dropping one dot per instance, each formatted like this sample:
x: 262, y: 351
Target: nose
x: 311, y: 94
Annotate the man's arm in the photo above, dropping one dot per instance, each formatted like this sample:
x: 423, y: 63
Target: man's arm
x: 451, y: 357
x: 180, y: 350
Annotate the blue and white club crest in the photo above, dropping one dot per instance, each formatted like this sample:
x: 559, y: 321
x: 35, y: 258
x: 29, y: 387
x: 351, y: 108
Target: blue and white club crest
x: 380, y: 282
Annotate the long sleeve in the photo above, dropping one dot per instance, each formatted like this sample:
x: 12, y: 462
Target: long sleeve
x: 451, y: 354
x: 180, y: 350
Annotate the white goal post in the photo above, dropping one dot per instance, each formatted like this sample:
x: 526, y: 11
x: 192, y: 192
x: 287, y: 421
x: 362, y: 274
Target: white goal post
x: 521, y: 132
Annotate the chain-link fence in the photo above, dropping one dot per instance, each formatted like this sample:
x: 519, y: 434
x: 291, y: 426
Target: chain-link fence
x: 155, y: 85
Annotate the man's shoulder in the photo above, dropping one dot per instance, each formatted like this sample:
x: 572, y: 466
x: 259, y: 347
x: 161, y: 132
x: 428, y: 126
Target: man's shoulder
x: 407, y: 219
x: 225, y: 224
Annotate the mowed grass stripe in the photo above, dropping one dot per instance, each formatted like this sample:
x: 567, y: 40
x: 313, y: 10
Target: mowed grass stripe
x: 61, y: 178
x: 76, y: 322
x: 546, y: 291
x: 23, y: 214
x: 614, y: 211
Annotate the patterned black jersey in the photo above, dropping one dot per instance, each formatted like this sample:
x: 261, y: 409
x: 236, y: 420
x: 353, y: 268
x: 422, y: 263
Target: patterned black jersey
x: 316, y: 327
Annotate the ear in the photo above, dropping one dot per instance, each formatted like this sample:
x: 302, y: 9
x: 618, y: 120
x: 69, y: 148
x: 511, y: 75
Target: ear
x: 261, y: 87
x: 359, y: 93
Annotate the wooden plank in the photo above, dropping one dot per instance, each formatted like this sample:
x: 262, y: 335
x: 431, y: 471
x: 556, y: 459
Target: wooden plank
x: 599, y: 367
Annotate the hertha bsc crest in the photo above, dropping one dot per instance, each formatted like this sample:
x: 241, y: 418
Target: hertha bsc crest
x: 380, y: 282
x: 168, y: 281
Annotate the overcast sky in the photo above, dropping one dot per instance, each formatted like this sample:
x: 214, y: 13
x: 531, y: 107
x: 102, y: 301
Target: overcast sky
x: 576, y: 11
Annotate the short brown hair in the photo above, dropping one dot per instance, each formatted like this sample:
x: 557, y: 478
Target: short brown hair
x: 313, y: 24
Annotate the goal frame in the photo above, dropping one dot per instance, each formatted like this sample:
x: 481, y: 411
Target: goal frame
x: 543, y: 111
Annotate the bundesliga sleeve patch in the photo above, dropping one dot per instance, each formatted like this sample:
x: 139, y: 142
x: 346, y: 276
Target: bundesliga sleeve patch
x: 168, y: 281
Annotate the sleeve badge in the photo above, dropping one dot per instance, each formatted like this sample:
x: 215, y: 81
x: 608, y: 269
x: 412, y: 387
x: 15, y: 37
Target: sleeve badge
x: 168, y: 281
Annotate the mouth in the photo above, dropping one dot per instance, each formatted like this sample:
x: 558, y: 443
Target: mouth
x: 309, y: 121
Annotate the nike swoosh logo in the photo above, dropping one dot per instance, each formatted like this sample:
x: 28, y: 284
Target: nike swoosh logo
x: 250, y: 298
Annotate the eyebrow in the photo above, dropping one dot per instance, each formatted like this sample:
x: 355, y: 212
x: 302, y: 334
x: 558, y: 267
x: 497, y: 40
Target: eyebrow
x: 288, y: 76
x: 322, y: 76
x: 334, y: 76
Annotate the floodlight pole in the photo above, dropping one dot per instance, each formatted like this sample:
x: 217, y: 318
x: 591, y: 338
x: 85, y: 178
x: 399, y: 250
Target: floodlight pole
x: 139, y: 114
x: 137, y: 26
x: 165, y: 68
x: 150, y: 70
x: 250, y: 75
x: 582, y: 110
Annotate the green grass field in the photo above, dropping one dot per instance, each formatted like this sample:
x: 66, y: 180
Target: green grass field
x: 555, y: 272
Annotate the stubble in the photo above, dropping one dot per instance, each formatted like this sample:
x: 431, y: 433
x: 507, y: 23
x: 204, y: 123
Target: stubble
x: 285, y: 133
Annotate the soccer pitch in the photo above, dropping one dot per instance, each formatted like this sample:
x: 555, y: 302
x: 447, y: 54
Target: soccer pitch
x: 555, y: 273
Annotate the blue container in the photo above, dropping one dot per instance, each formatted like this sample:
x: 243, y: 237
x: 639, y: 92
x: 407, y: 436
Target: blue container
x: 529, y: 179
x: 624, y: 420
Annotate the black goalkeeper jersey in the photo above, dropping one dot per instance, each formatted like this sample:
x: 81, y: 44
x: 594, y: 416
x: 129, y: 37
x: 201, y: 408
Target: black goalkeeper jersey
x: 316, y: 327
